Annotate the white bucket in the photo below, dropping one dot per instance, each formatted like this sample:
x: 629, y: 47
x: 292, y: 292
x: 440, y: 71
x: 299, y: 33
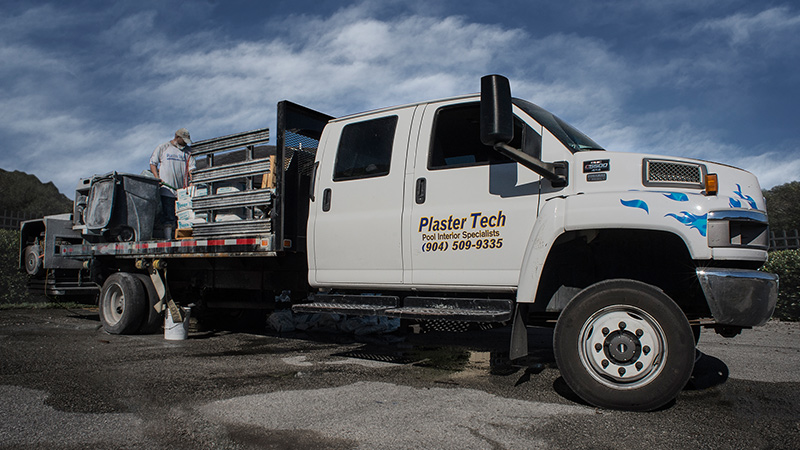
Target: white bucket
x: 176, y: 331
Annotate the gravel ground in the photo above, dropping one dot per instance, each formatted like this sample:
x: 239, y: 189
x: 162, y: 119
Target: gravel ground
x: 64, y: 383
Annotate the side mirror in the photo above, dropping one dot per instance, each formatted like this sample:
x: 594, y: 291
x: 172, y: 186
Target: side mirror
x: 497, y: 130
x: 497, y: 118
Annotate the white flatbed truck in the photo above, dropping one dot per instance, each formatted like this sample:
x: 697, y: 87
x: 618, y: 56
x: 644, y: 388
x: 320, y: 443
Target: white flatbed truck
x: 480, y: 208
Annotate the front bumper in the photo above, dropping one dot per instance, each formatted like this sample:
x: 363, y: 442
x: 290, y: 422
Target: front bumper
x: 738, y: 297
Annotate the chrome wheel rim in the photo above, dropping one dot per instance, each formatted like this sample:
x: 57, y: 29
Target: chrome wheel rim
x: 622, y: 347
x: 114, y: 305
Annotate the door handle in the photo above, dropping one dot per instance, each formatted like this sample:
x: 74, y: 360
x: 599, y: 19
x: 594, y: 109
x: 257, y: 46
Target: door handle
x: 419, y: 197
x: 313, y: 182
x: 326, y: 200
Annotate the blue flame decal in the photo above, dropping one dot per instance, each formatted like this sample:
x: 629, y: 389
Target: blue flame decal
x: 735, y: 203
x: 692, y: 221
x: 677, y: 196
x: 746, y: 198
x: 635, y: 204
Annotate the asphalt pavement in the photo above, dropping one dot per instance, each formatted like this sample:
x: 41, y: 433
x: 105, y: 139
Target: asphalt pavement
x: 64, y: 383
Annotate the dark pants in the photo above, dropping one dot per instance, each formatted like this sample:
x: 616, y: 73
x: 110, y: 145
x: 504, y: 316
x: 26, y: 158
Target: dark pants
x: 168, y: 218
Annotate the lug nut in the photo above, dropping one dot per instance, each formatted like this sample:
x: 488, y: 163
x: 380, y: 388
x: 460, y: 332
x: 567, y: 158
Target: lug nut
x: 598, y: 346
x: 639, y: 365
x: 639, y: 333
x: 646, y: 349
x: 621, y: 371
x: 605, y: 331
x: 622, y: 325
x: 604, y: 363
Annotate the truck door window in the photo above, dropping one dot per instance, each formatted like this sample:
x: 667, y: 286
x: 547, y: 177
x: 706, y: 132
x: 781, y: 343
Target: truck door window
x: 365, y: 149
x: 457, y: 142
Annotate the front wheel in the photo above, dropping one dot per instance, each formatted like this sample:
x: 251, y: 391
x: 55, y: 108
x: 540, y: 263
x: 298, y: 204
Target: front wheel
x: 623, y: 344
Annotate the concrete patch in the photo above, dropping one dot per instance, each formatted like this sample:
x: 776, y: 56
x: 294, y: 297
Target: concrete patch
x: 389, y: 416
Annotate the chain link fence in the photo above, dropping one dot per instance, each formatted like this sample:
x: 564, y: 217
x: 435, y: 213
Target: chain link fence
x: 784, y: 240
x: 10, y: 220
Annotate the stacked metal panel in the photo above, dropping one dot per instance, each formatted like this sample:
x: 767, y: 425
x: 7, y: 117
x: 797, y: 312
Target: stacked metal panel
x: 237, y: 204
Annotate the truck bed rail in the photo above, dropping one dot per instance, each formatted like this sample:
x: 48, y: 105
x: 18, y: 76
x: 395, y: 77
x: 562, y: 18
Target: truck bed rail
x: 256, y: 246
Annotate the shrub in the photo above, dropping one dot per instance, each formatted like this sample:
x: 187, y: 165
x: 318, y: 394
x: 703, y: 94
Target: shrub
x: 12, y: 282
x: 786, y: 264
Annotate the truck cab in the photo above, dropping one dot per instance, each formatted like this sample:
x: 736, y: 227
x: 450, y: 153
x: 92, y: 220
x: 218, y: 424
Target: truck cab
x: 410, y: 197
x: 489, y: 197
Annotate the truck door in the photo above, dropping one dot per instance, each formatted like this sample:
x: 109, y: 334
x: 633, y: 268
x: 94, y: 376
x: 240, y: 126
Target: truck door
x: 473, y: 209
x: 356, y: 216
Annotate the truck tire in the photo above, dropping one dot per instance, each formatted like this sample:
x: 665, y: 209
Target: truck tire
x: 122, y: 304
x: 623, y: 344
x: 33, y: 260
x: 153, y: 319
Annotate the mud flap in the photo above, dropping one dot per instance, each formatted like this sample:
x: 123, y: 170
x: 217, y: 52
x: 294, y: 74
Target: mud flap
x: 519, y: 334
x: 164, y: 297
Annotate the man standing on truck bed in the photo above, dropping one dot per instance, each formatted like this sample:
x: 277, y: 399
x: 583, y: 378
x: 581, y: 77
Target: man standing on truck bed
x: 173, y: 163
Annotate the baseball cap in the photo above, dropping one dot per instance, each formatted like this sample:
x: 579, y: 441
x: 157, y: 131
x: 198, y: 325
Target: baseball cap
x: 183, y: 133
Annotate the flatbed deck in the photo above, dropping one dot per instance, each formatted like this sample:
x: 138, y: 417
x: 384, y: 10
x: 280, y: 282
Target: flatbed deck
x: 184, y: 248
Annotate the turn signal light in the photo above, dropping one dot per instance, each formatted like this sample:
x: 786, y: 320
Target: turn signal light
x: 711, y: 184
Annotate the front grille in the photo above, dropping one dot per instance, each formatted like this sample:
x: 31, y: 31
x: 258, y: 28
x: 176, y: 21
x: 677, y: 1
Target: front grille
x: 664, y: 173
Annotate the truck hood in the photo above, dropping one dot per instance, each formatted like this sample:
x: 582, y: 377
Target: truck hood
x: 604, y: 171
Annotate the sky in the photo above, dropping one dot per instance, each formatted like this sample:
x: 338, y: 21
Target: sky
x: 90, y: 87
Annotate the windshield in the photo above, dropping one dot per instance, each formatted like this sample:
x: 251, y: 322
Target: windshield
x: 573, y: 139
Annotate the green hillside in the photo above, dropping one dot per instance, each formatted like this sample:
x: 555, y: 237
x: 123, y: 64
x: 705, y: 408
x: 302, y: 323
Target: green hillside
x: 23, y: 193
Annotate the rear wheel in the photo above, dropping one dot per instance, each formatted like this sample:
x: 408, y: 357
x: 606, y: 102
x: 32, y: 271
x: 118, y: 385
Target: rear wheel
x: 623, y: 344
x: 122, y: 304
x: 153, y: 319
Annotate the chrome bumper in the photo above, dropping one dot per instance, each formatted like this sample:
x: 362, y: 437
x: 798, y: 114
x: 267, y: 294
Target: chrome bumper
x: 739, y: 297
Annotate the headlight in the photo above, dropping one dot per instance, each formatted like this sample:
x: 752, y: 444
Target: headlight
x: 737, y: 228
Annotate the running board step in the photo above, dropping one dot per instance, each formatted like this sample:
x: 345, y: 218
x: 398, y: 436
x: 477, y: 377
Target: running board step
x: 456, y: 310
x: 354, y: 305
x: 420, y: 308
